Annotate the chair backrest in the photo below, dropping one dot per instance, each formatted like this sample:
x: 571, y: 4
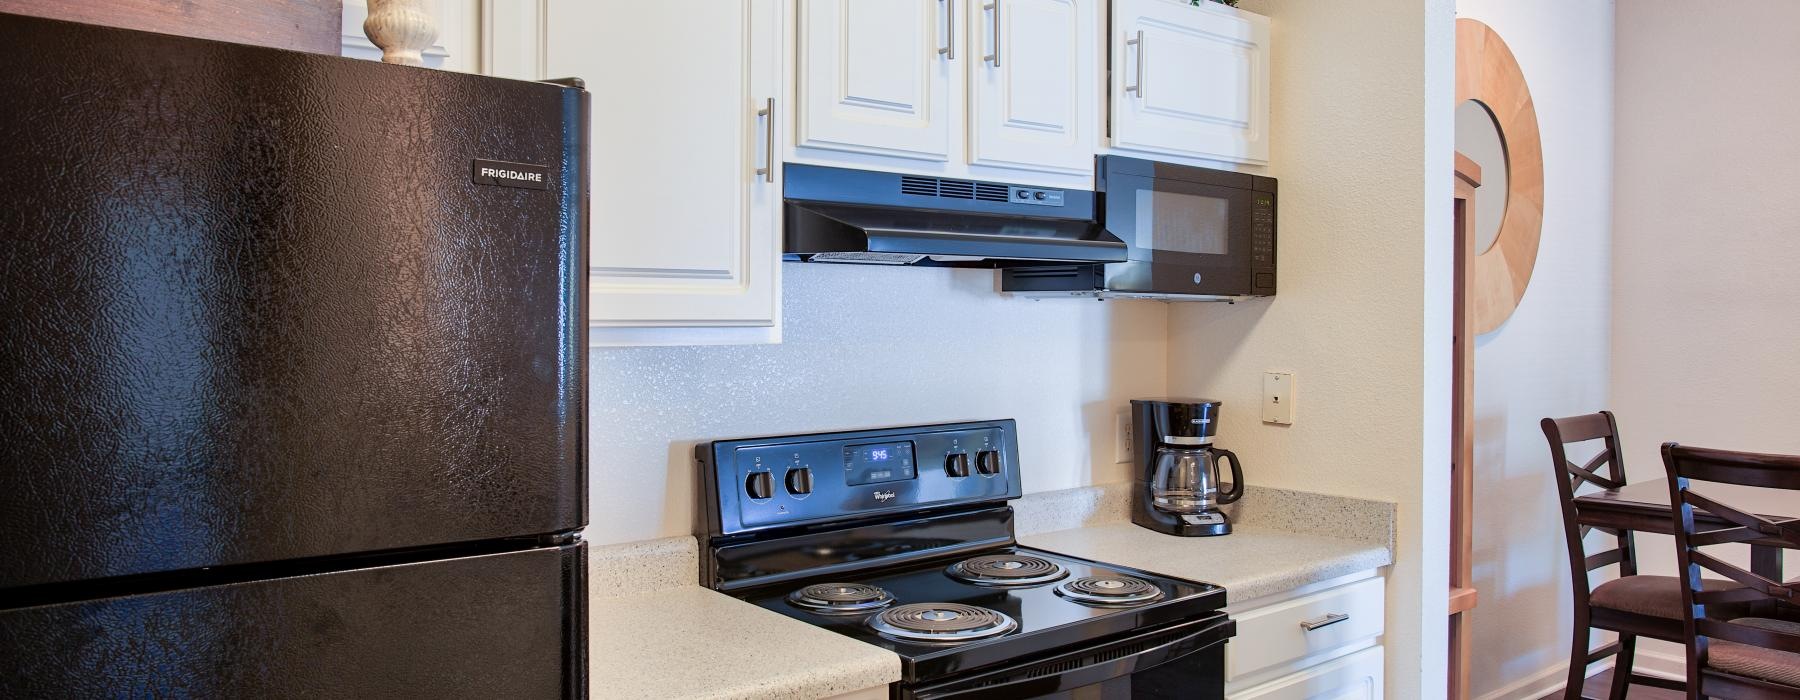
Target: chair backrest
x: 1762, y: 596
x: 1562, y: 432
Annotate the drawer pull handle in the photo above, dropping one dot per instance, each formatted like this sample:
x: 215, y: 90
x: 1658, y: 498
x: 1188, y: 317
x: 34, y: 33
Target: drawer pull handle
x: 1323, y: 621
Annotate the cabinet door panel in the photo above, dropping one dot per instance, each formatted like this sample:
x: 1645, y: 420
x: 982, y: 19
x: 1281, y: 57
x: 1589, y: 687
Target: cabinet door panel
x: 1190, y: 81
x: 1354, y: 677
x: 684, y: 230
x: 1035, y: 108
x: 872, y: 79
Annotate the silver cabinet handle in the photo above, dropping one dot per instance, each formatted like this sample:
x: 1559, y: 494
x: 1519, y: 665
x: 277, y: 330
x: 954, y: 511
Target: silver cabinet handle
x: 1323, y: 621
x: 995, y: 56
x: 1138, y: 89
x: 949, y: 49
x: 767, y: 113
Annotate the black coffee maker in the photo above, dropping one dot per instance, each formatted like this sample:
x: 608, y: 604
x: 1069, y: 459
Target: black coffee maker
x: 1178, y: 490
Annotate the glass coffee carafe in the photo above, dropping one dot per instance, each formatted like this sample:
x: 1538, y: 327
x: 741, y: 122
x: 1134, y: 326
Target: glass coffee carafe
x: 1186, y: 480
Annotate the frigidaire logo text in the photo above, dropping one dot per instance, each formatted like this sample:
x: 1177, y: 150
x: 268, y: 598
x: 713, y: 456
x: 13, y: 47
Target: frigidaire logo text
x: 512, y: 175
x: 884, y: 496
x: 504, y: 174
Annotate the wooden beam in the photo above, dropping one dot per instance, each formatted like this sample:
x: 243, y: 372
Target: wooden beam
x: 1462, y: 599
x: 301, y: 25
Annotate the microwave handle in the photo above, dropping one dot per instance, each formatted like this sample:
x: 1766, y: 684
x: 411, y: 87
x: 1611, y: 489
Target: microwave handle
x: 1021, y: 681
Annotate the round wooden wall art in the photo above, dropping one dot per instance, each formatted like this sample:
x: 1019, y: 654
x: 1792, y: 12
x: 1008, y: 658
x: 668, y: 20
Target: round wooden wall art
x: 1486, y: 72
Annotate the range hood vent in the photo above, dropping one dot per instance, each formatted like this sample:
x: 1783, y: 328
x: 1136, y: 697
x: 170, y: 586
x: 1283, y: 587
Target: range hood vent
x: 861, y: 216
x: 954, y: 189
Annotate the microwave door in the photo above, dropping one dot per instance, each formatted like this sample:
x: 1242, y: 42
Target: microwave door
x: 1193, y: 233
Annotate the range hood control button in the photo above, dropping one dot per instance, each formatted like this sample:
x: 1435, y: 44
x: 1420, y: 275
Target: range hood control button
x: 956, y: 464
x: 760, y: 485
x: 987, y: 462
x: 799, y: 481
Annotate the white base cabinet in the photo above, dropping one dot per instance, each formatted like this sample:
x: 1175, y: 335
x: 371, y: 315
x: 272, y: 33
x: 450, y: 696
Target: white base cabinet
x: 1322, y: 642
x: 1190, y: 80
x: 1354, y: 677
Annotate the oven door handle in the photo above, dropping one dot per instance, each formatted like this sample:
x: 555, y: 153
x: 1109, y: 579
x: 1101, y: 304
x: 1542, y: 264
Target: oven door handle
x: 1102, y: 663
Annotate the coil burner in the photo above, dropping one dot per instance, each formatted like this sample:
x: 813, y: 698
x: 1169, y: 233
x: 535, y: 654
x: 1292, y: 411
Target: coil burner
x: 841, y: 598
x: 1006, y: 570
x: 1115, y: 591
x: 941, y: 623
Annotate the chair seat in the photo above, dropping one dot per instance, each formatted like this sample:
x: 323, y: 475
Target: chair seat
x: 1657, y: 596
x: 1757, y: 662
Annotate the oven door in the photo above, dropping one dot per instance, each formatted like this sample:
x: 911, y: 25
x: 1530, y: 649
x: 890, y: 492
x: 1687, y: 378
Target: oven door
x: 1190, y: 237
x: 1183, y: 661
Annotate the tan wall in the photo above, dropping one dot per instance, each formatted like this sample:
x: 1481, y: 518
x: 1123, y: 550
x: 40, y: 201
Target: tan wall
x: 1706, y: 254
x: 1361, y: 138
x: 1551, y: 357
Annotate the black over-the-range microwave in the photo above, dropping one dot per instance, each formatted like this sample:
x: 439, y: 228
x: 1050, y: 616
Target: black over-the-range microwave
x: 1191, y: 233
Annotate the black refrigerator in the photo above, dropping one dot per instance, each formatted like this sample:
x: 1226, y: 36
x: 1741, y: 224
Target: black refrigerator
x: 292, y: 362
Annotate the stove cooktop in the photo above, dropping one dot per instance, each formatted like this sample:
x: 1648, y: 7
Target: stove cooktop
x: 1001, y: 605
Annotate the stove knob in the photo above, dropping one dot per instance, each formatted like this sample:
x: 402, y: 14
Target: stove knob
x: 987, y: 462
x: 799, y: 481
x: 956, y: 464
x: 760, y: 485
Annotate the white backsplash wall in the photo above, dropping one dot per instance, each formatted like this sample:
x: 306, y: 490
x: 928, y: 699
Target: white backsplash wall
x: 871, y: 346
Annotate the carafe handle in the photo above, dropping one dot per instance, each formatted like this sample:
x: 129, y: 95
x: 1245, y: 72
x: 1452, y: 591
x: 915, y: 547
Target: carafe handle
x: 1237, y: 476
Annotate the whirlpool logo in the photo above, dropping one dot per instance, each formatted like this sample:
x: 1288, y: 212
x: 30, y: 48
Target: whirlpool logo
x: 503, y: 174
x: 884, y: 496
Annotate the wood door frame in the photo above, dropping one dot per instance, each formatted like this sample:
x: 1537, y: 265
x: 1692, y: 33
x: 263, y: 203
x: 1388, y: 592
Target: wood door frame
x: 1462, y: 432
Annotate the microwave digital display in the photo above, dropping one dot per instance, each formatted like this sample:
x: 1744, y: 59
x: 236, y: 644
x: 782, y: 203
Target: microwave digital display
x: 879, y: 462
x: 1182, y: 223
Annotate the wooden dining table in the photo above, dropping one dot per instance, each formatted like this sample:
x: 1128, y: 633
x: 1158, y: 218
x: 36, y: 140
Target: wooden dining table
x: 1644, y: 506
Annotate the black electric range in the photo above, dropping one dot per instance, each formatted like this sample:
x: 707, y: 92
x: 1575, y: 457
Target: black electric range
x: 902, y: 538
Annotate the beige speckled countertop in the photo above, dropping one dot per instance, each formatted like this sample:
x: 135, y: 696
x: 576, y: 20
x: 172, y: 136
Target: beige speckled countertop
x: 1252, y: 562
x: 1281, y: 540
x: 672, y: 639
x: 690, y: 642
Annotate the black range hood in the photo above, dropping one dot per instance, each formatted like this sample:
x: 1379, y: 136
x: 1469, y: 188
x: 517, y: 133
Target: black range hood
x: 864, y: 216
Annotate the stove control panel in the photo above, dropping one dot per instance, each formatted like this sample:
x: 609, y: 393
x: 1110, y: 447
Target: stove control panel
x: 759, y: 483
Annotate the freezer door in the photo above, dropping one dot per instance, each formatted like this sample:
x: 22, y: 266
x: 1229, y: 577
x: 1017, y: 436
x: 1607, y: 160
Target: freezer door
x: 495, y: 626
x: 263, y: 305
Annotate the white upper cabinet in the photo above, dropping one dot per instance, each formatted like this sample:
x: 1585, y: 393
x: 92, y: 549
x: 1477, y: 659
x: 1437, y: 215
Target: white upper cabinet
x: 1031, y: 84
x: 685, y: 192
x: 874, y: 76
x: 1190, y: 80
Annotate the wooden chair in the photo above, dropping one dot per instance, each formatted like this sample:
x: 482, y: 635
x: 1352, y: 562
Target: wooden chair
x: 1752, y: 651
x: 1632, y: 605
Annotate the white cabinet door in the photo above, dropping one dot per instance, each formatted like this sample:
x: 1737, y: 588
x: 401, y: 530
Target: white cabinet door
x: 1190, y: 81
x: 874, y: 76
x: 684, y: 229
x: 1031, y: 84
x: 1354, y: 677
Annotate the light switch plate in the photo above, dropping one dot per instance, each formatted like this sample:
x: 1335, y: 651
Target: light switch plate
x: 1278, y: 398
x: 1122, y: 437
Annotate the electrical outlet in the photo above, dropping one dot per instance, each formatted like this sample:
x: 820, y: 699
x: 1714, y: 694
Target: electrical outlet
x: 1278, y: 398
x: 1122, y: 451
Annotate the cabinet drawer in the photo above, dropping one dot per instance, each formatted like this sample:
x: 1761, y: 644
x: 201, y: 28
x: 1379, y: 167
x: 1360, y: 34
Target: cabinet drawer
x: 1354, y: 677
x: 1279, y: 633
